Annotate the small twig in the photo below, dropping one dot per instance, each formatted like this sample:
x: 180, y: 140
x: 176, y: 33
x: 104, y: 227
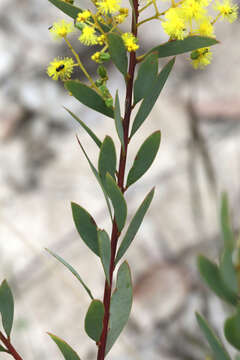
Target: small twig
x: 10, y: 348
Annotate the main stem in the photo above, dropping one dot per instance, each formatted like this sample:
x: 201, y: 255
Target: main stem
x: 121, y: 174
x: 9, y: 347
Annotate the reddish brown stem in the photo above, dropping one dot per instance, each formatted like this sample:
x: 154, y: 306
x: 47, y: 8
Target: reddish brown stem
x: 121, y: 175
x: 9, y: 347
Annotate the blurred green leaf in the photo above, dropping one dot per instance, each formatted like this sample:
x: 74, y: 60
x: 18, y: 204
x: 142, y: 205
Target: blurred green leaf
x: 6, y: 307
x: 118, y: 52
x: 146, y: 76
x: 2, y: 349
x: 97, y: 177
x: 144, y: 158
x: 176, y: 47
x: 232, y: 329
x: 118, y: 201
x: 152, y: 96
x: 88, y: 97
x: 86, y: 128
x: 215, y: 343
x: 211, y: 275
x: 105, y: 252
x: 66, y: 350
x: 118, y: 120
x: 73, y: 271
x: 134, y: 225
x: 227, y: 271
x: 228, y: 235
x: 86, y: 227
x: 107, y: 158
x: 94, y: 320
x: 67, y: 8
x: 121, y: 303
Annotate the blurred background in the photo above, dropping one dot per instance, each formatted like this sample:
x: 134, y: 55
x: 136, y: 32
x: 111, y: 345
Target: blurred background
x: 42, y: 169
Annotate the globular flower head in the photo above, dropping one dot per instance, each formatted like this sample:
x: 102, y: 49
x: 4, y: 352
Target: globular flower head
x: 227, y: 10
x: 108, y: 6
x: 130, y: 42
x: 205, y: 27
x: 61, y: 29
x: 61, y: 68
x: 83, y: 16
x: 88, y: 36
x: 175, y: 25
x: 201, y: 58
x: 193, y: 9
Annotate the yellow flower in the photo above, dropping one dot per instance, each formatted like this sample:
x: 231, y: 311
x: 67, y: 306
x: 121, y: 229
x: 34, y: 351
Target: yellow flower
x: 60, y: 68
x: 193, y: 9
x: 108, y: 6
x: 205, y: 28
x: 227, y: 10
x: 130, y: 42
x: 88, y: 36
x: 175, y: 25
x: 83, y: 16
x: 96, y: 57
x: 201, y: 57
x: 61, y: 29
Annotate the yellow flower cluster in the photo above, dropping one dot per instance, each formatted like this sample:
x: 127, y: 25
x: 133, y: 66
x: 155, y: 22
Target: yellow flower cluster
x: 190, y: 17
x: 83, y: 16
x: 108, y: 6
x: 201, y: 57
x: 130, y: 42
x: 61, y: 29
x: 88, y: 36
x: 61, y: 68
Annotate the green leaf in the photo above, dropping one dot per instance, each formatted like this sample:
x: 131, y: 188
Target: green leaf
x: 120, y: 307
x: 228, y: 235
x: 176, y: 47
x: 134, y: 225
x: 211, y: 275
x: 118, y: 201
x: 88, y: 97
x: 107, y: 158
x: 6, y: 307
x: 118, y: 52
x: 105, y: 252
x: 67, y: 8
x: 232, y: 329
x: 147, y: 74
x: 152, y: 96
x: 86, y: 227
x: 118, y: 120
x: 66, y: 350
x: 227, y: 271
x: 215, y: 343
x: 2, y: 349
x: 97, y: 177
x: 73, y: 271
x: 144, y: 158
x: 86, y: 128
x: 94, y: 320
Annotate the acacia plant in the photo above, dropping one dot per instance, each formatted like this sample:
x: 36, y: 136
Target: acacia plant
x: 189, y: 27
